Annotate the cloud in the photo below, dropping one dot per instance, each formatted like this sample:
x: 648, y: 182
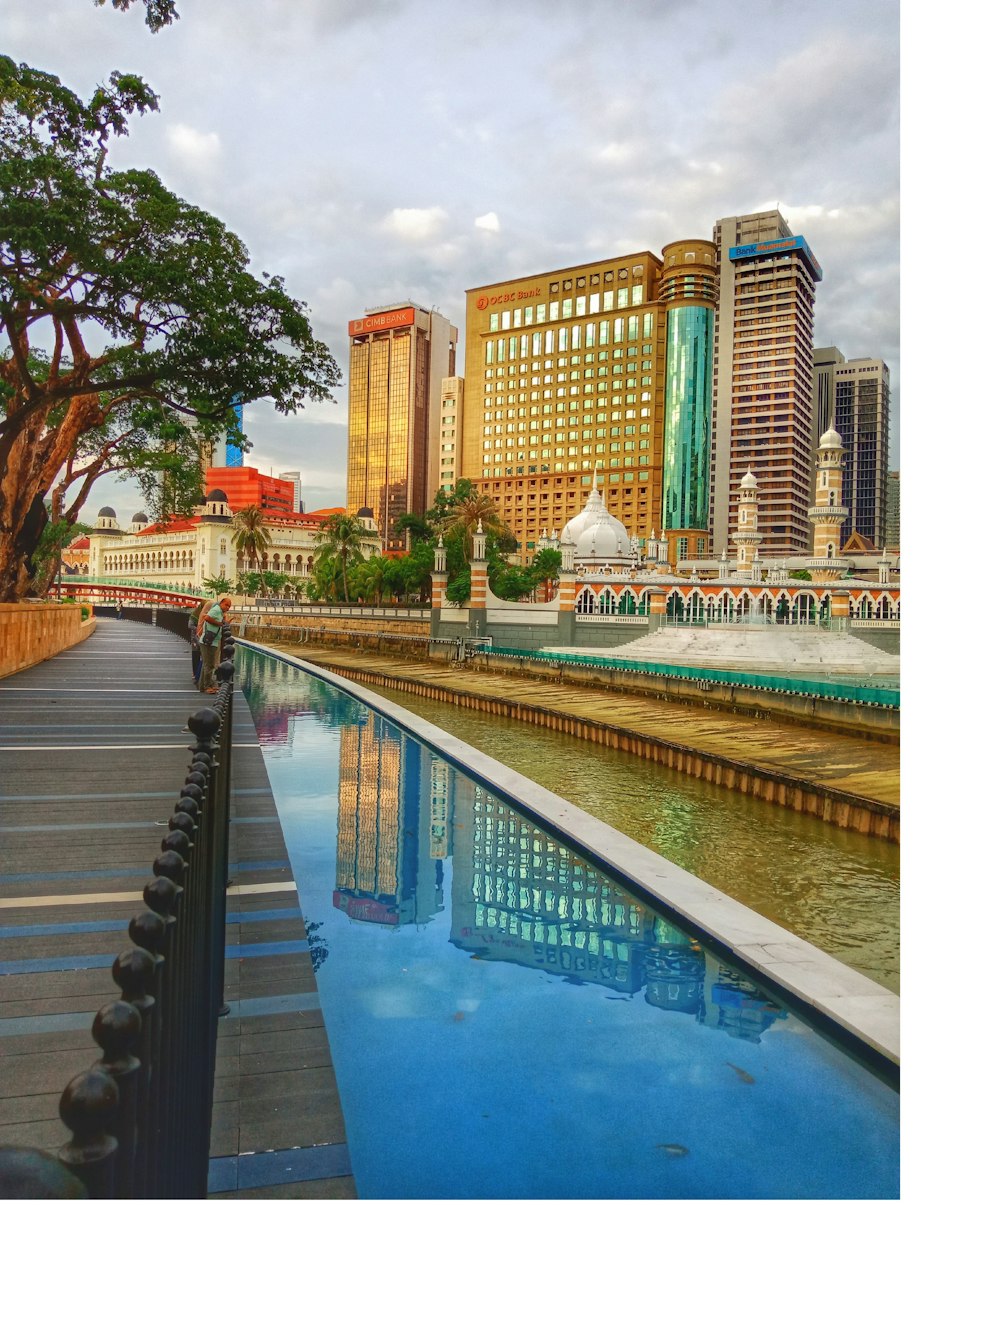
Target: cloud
x: 416, y: 226
x: 488, y: 222
x: 192, y: 150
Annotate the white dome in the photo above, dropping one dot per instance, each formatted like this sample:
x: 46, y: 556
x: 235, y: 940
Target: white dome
x: 590, y: 512
x: 830, y: 438
x: 748, y: 480
x: 605, y: 538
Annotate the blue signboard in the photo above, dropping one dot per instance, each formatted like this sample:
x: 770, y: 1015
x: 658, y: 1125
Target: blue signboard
x: 779, y: 246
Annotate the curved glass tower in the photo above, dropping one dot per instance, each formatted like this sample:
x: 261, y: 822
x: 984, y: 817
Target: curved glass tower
x: 689, y: 288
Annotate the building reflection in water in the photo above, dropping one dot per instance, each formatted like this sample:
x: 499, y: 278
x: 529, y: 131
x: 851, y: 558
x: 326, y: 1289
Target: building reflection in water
x: 517, y: 895
x: 278, y: 697
x: 392, y: 827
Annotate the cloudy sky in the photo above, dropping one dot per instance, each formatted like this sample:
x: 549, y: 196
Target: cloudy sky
x: 398, y: 150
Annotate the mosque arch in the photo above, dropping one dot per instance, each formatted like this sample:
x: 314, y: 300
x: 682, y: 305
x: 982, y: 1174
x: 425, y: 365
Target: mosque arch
x: 586, y: 602
x: 675, y: 607
x: 607, y: 603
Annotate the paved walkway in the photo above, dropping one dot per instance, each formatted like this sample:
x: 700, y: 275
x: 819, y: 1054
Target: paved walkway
x: 93, y: 750
x: 865, y: 768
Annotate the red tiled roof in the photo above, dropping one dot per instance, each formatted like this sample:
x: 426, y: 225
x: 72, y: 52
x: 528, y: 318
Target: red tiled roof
x: 171, y: 525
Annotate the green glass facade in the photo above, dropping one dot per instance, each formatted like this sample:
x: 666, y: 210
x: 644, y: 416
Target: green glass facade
x: 687, y: 430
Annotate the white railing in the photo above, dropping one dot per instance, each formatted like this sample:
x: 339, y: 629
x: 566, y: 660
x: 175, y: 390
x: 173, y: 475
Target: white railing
x: 282, y: 606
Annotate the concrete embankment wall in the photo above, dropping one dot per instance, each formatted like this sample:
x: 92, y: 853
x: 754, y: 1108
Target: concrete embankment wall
x: 833, y: 714
x: 840, y: 808
x: 31, y: 632
x: 409, y: 639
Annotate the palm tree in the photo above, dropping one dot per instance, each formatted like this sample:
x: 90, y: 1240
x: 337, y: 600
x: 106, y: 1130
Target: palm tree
x: 339, y: 539
x: 251, y: 536
x: 375, y: 575
x: 469, y: 513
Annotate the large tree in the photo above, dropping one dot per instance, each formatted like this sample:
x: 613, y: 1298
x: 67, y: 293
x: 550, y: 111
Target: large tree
x: 113, y: 291
x: 158, y: 12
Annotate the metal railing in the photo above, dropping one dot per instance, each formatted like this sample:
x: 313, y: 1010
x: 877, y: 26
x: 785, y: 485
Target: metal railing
x: 848, y: 692
x: 140, y: 1117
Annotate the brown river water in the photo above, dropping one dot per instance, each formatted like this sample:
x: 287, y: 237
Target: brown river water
x: 837, y: 889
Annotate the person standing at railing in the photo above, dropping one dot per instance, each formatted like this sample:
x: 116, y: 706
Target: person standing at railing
x: 195, y: 621
x: 211, y: 641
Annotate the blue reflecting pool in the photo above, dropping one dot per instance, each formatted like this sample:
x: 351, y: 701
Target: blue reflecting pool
x: 508, y: 1021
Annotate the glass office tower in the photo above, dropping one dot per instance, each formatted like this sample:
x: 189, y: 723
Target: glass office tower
x: 689, y: 288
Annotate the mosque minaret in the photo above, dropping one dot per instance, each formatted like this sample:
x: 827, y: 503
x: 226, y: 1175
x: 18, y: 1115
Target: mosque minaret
x: 747, y: 536
x: 829, y: 513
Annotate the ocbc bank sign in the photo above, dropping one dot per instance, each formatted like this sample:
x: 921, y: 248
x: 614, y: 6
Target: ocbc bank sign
x: 507, y: 298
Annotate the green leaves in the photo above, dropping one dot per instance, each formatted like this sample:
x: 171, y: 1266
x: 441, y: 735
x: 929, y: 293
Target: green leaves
x: 159, y: 13
x: 141, y: 295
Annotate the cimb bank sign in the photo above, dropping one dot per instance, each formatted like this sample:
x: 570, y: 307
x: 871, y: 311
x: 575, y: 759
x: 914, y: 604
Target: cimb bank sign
x: 385, y: 319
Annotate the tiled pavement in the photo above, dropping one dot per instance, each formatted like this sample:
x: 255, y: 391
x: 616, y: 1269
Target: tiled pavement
x: 93, y: 749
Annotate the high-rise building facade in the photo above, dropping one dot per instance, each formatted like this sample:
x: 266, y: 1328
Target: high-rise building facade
x: 862, y: 420
x: 399, y: 356
x: 763, y: 408
x: 296, y: 479
x: 451, y: 453
x: 564, y: 375
x: 689, y: 289
x: 892, y: 512
x: 853, y: 396
x: 247, y: 486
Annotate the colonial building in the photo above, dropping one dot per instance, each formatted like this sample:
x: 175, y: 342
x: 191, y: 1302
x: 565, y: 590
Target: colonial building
x: 184, y: 552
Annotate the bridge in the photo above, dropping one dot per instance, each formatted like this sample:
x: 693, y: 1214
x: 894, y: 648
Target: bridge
x: 85, y: 591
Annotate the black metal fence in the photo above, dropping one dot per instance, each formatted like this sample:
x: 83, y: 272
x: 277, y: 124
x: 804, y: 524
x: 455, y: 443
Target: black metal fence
x: 141, y: 1116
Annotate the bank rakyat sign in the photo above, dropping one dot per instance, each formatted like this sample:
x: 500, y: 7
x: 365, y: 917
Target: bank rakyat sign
x: 783, y: 243
x: 385, y: 319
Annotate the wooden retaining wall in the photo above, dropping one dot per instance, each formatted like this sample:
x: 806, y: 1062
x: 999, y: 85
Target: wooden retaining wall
x: 834, y: 807
x: 32, y: 632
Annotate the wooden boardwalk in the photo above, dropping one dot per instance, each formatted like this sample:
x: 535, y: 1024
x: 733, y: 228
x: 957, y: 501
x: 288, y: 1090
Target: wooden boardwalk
x: 93, y: 751
x: 866, y: 769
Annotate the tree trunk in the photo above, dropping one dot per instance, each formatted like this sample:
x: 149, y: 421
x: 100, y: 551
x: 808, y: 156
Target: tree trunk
x: 34, y: 456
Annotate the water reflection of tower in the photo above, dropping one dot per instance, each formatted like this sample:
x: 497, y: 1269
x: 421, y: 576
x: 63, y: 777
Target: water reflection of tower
x: 386, y: 872
x: 519, y: 896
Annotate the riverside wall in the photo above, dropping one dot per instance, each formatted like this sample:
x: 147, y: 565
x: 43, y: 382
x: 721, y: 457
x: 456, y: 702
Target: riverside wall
x: 412, y: 639
x: 31, y: 632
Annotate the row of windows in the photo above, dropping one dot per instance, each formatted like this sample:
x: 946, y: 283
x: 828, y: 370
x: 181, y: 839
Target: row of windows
x: 610, y: 299
x: 588, y: 358
x: 561, y: 436
x: 569, y: 337
x: 547, y: 395
x: 532, y: 468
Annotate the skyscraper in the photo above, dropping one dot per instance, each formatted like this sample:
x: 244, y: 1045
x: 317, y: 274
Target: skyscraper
x: 564, y: 375
x: 399, y: 357
x: 892, y: 512
x: 763, y: 410
x: 854, y: 396
x: 689, y: 288
x: 451, y: 456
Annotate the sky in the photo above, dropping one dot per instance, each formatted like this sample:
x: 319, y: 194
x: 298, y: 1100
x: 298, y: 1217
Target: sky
x: 406, y: 150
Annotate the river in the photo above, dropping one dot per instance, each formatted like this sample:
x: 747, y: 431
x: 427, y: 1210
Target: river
x: 837, y: 889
